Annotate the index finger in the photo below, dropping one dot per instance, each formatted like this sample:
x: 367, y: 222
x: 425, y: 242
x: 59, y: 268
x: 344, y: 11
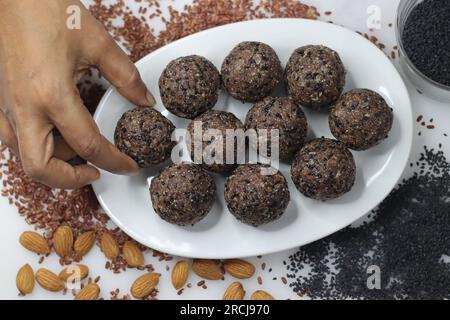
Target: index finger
x: 119, y: 70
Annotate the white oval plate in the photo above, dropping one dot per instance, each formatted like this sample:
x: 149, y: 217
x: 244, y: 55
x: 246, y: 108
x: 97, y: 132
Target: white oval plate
x: 127, y: 201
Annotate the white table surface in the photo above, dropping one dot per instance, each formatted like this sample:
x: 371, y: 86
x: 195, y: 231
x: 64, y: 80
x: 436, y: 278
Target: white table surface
x: 350, y: 13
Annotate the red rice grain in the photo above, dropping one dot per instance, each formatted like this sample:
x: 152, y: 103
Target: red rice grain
x: 47, y: 209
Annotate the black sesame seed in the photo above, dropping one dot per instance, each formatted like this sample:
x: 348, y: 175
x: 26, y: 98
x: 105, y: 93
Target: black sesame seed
x: 426, y: 39
x: 406, y: 237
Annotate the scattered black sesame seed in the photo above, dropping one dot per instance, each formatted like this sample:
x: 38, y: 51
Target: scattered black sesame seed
x: 407, y: 239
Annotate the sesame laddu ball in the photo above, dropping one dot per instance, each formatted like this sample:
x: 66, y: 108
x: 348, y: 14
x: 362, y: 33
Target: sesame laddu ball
x: 254, y: 198
x: 323, y: 169
x: 284, y: 115
x: 361, y: 119
x: 145, y: 135
x: 251, y: 71
x: 315, y: 77
x: 189, y: 86
x: 183, y: 194
x: 214, y: 120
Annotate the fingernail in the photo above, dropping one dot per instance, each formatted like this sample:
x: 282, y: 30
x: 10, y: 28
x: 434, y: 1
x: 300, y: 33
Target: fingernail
x: 134, y: 173
x: 150, y: 99
x: 134, y: 170
x: 128, y: 172
x: 95, y: 176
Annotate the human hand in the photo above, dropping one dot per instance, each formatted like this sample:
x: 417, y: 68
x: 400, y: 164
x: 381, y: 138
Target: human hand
x: 41, y: 60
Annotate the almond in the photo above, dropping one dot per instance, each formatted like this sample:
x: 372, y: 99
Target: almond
x: 132, y: 254
x: 89, y: 292
x: 74, y: 273
x: 109, y: 246
x: 25, y: 279
x: 234, y: 292
x: 261, y: 295
x: 144, y: 285
x: 84, y: 243
x: 49, y: 281
x: 207, y: 269
x: 180, y: 274
x: 63, y: 241
x: 34, y: 242
x: 238, y: 268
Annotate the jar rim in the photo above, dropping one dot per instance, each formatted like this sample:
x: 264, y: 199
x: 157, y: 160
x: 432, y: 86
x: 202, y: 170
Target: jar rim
x: 405, y: 8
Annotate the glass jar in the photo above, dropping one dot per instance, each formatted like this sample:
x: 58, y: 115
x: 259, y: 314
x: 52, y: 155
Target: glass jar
x: 423, y: 83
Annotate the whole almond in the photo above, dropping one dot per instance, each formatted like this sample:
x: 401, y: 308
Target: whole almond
x: 74, y: 273
x: 34, y: 242
x: 180, y: 274
x: 238, y: 268
x: 144, y: 285
x: 207, y: 269
x: 49, y: 281
x: 234, y: 292
x: 261, y: 295
x: 25, y: 279
x: 132, y: 254
x: 89, y: 292
x: 84, y: 243
x: 63, y: 241
x: 109, y: 246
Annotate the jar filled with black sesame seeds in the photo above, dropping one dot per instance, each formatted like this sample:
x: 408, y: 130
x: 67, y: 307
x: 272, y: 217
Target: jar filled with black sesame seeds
x: 423, y: 35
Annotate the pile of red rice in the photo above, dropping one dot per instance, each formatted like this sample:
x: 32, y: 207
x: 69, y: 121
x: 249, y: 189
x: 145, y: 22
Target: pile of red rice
x: 47, y: 209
